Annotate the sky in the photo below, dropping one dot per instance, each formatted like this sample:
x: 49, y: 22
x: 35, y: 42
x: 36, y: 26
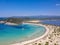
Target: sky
x: 29, y: 7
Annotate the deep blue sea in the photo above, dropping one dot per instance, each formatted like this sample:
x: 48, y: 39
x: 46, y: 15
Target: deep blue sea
x: 52, y: 22
x: 11, y: 34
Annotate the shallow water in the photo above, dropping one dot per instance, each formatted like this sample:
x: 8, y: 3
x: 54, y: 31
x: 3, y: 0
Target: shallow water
x: 11, y: 34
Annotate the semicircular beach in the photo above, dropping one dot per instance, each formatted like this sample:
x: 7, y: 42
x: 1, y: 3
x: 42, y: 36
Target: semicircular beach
x: 21, y: 34
x: 37, y: 34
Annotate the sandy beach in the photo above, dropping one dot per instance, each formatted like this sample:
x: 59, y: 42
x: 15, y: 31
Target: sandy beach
x: 8, y: 23
x: 38, y: 38
x: 52, y: 36
x: 2, y: 22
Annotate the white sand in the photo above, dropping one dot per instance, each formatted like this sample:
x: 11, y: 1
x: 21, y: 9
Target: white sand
x: 34, y: 21
x: 30, y: 41
x: 1, y: 21
x: 8, y: 23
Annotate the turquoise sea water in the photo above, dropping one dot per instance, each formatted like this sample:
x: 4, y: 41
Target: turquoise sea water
x: 11, y: 34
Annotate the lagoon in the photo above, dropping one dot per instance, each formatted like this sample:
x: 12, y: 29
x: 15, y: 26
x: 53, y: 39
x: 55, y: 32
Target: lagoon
x: 11, y: 34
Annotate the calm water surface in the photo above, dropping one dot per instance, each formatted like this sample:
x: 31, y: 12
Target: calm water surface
x: 11, y: 34
x: 53, y: 22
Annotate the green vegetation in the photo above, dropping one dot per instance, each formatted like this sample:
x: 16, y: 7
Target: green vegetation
x: 47, y: 43
x: 15, y: 20
x: 58, y: 29
x: 55, y: 44
x: 39, y: 44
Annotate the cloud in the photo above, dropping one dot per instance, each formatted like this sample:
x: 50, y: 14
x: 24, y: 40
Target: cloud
x: 57, y: 4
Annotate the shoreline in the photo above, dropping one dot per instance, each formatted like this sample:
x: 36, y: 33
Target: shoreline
x: 38, y: 38
x: 2, y: 22
x: 8, y: 23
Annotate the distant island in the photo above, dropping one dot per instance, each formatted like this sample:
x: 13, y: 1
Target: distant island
x: 19, y: 20
x: 14, y: 20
